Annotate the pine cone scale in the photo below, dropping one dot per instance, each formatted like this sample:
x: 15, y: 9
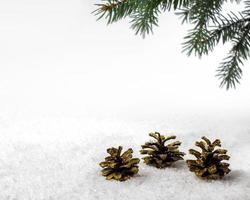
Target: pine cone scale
x: 106, y: 171
x: 212, y: 169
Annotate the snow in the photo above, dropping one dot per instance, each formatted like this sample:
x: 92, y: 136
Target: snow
x: 36, y: 164
x: 70, y: 88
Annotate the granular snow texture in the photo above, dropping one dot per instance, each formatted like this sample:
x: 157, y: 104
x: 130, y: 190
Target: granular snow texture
x: 57, y: 159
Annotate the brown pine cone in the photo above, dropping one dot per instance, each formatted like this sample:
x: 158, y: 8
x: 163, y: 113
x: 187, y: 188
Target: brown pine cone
x: 159, y: 154
x: 208, y: 163
x: 119, y: 166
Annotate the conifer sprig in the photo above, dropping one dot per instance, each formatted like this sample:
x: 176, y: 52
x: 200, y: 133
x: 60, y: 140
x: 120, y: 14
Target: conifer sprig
x: 143, y: 13
x: 210, y: 27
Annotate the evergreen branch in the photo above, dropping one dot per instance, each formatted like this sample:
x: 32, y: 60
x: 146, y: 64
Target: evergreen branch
x: 174, y: 4
x: 230, y: 72
x: 230, y: 28
x: 203, y: 40
x: 227, y: 27
x: 200, y: 13
x: 110, y: 5
x: 196, y: 40
x: 146, y: 17
x: 209, y: 27
x: 143, y: 13
x: 247, y: 8
x: 114, y: 10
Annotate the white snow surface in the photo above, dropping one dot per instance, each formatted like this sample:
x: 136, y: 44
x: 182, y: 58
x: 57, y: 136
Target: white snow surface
x: 57, y: 158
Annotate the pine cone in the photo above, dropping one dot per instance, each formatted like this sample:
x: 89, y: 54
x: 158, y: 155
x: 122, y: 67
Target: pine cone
x: 159, y: 154
x: 208, y: 164
x: 119, y: 166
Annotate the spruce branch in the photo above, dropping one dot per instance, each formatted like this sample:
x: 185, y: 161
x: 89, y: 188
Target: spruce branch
x: 146, y: 17
x: 230, y: 72
x: 226, y: 27
x: 210, y: 27
x: 143, y: 13
x: 114, y: 10
x: 200, y: 13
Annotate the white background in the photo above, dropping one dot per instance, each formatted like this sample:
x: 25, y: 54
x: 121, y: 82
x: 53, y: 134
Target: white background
x: 55, y: 58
